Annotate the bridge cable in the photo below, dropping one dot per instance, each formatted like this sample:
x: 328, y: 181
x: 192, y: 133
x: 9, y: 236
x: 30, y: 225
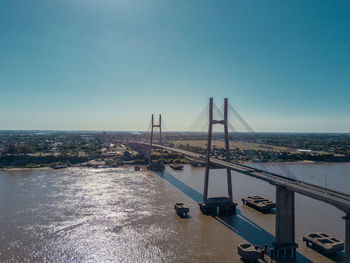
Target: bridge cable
x: 277, y: 162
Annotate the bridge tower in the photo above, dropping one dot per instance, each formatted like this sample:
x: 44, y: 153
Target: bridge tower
x: 151, y: 165
x: 225, y: 204
x: 347, y: 236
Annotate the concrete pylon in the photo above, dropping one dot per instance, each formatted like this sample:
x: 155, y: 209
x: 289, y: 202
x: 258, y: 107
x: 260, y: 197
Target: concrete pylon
x: 227, y: 149
x: 347, y: 236
x: 159, y: 166
x: 284, y: 244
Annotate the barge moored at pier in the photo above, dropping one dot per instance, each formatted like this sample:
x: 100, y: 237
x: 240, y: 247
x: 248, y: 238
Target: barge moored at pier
x: 259, y: 203
x: 324, y: 243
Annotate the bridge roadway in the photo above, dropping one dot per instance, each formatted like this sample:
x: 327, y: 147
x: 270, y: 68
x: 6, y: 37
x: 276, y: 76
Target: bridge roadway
x: 337, y: 199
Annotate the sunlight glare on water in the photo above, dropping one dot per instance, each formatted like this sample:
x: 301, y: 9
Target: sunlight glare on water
x: 88, y: 216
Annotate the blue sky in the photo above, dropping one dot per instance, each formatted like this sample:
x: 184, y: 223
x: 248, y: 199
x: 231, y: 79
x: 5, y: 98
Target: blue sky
x: 109, y: 64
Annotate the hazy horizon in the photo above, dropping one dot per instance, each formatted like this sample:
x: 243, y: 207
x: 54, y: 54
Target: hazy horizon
x: 170, y: 131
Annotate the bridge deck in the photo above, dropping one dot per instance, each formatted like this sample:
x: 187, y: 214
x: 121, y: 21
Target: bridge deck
x: 337, y: 199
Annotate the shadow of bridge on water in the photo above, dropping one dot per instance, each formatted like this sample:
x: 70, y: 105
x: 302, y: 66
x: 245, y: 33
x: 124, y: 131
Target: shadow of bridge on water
x: 238, y: 223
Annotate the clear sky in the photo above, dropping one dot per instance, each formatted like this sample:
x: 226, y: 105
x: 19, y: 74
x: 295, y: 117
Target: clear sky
x: 109, y: 64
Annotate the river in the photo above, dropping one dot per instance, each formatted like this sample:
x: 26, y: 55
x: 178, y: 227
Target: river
x: 119, y: 215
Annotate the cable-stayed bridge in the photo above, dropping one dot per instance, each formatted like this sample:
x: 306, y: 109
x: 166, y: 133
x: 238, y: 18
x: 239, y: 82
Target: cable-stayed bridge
x: 286, y: 187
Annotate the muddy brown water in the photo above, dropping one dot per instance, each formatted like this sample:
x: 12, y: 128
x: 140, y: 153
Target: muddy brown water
x: 119, y: 215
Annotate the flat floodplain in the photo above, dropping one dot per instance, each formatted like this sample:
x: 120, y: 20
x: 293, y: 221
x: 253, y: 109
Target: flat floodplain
x: 119, y: 215
x: 242, y: 145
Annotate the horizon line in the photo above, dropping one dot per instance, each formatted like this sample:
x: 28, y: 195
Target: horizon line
x: 179, y: 131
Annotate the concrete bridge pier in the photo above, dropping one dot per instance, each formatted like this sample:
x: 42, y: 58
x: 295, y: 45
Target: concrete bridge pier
x: 284, y: 244
x: 146, y: 152
x: 347, y: 236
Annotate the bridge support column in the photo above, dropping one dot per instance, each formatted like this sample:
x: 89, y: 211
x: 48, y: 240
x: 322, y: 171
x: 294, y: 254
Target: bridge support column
x: 227, y: 150
x: 347, y: 236
x: 146, y: 152
x: 285, y: 223
x: 156, y: 166
x: 225, y: 204
x: 207, y: 159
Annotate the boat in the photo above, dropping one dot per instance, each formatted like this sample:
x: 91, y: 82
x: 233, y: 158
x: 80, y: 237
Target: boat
x: 323, y: 242
x: 250, y: 253
x: 181, y: 209
x: 259, y: 203
x: 177, y: 166
x: 59, y: 166
x: 197, y: 164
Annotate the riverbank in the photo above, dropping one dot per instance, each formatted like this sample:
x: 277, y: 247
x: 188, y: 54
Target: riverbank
x: 31, y: 161
x: 140, y: 163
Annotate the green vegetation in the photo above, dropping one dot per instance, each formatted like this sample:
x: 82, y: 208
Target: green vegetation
x: 272, y: 147
x: 33, y: 149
